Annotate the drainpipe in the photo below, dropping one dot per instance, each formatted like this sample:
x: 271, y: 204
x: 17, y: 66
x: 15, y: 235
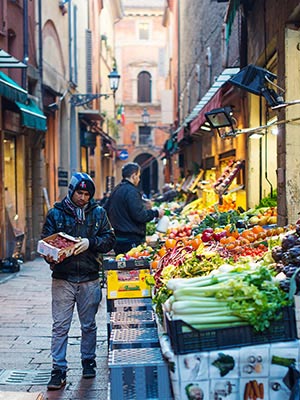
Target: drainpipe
x: 70, y: 41
x: 266, y: 163
x: 178, y: 62
x: 25, y: 43
x: 40, y: 38
x: 260, y: 150
x: 209, y: 65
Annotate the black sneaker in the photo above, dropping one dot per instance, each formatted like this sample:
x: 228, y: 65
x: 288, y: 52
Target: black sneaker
x: 58, y: 379
x: 89, y: 369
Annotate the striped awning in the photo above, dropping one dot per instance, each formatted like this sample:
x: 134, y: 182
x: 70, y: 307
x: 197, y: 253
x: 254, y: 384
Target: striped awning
x: 10, y: 89
x: 32, y: 116
x: 8, y: 61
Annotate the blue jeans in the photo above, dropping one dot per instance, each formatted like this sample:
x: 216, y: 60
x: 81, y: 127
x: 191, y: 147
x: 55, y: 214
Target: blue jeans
x: 87, y: 296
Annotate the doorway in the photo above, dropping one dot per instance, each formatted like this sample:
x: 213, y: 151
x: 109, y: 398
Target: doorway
x: 149, y: 173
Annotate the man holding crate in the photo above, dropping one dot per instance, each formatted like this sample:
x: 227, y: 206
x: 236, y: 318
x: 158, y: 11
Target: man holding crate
x: 76, y: 278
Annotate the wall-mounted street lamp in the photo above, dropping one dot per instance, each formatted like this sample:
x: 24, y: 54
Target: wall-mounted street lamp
x: 77, y: 100
x: 114, y: 79
x: 145, y: 117
x: 146, y: 120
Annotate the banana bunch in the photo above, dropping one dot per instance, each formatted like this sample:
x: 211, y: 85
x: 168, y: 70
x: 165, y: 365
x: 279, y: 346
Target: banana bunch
x: 193, y: 206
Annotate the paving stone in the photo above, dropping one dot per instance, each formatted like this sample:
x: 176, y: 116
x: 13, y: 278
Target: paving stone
x: 25, y: 335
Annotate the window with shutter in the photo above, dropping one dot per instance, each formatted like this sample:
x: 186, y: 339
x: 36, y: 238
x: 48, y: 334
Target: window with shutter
x: 144, y: 87
x: 88, y: 36
x: 145, y: 135
x: 143, y: 31
x: 75, y: 76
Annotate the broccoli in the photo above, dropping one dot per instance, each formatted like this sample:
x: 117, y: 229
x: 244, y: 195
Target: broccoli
x: 224, y: 363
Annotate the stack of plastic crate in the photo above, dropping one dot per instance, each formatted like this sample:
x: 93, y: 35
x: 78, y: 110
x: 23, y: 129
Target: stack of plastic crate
x: 136, y: 365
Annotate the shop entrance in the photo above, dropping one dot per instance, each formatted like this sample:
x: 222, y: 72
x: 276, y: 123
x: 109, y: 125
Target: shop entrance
x: 13, y: 226
x: 149, y: 175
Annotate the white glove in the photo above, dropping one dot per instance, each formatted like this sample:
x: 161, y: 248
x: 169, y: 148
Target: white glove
x: 161, y: 213
x: 81, y: 246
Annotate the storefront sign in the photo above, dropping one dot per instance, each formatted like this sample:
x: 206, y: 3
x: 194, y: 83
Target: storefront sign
x: 12, y: 121
x: 62, y: 174
x: 63, y: 182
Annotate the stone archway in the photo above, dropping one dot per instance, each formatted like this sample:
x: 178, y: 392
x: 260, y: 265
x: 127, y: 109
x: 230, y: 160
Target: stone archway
x: 149, y: 175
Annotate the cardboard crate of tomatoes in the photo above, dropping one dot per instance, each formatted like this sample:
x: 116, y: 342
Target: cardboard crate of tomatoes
x: 58, y: 246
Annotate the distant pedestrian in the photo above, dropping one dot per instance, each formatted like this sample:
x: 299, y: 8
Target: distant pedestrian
x: 127, y: 211
x: 104, y: 199
x: 76, y: 278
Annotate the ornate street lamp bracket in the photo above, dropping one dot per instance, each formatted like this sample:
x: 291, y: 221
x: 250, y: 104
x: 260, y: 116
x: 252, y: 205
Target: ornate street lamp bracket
x: 77, y: 100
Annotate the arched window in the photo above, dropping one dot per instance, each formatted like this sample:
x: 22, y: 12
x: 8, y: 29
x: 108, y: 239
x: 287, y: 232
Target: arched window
x: 144, y: 87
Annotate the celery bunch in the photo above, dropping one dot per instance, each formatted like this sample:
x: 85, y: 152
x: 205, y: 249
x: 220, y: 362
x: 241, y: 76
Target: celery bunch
x: 227, y: 299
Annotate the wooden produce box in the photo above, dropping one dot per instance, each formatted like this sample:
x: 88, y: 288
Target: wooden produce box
x: 65, y: 248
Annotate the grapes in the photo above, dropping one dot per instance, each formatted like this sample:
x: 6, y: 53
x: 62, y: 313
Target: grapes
x: 287, y: 258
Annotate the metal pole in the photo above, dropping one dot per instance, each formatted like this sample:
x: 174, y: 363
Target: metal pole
x: 74, y: 142
x: 40, y: 38
x: 25, y: 43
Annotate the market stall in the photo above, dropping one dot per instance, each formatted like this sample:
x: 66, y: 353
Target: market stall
x: 223, y: 295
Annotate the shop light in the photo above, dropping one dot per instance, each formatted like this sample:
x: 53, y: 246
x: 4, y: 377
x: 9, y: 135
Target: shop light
x: 255, y: 80
x: 219, y: 118
x: 256, y: 135
x: 205, y: 127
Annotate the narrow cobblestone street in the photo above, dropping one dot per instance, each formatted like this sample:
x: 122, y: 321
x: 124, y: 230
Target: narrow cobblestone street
x: 25, y: 336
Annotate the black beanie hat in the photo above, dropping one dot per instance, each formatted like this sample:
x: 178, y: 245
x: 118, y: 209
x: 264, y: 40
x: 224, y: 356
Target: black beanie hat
x: 83, y: 181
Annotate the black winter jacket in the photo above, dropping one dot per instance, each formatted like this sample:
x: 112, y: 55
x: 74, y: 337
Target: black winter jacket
x: 127, y: 213
x: 96, y: 227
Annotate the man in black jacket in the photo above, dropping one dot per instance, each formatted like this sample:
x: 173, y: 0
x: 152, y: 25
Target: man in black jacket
x: 76, y: 278
x: 127, y: 211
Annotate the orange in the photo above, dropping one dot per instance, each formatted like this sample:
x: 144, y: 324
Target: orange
x: 162, y: 251
x: 195, y: 243
x: 230, y: 246
x: 227, y: 239
x: 257, y: 229
x: 170, y: 243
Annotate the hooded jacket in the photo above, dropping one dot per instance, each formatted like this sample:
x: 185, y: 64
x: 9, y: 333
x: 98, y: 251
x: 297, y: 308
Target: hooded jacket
x: 127, y: 212
x: 96, y: 227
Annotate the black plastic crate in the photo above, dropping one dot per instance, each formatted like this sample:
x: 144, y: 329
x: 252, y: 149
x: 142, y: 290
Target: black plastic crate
x: 185, y: 339
x: 129, y: 304
x: 138, y: 263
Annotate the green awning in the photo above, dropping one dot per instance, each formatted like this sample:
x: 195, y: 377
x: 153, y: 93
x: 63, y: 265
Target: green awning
x: 32, y: 116
x: 229, y: 18
x: 10, y: 89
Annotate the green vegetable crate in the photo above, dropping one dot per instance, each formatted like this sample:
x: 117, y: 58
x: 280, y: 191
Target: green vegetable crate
x: 185, y: 339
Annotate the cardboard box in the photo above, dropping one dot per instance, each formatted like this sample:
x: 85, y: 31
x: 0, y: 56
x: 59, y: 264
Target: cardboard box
x: 128, y: 284
x: 45, y: 248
